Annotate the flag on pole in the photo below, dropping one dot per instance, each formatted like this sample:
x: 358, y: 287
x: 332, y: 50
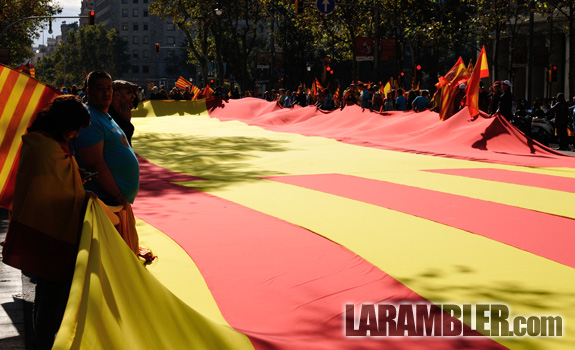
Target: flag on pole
x: 316, y: 87
x: 386, y: 89
x: 448, y: 84
x: 472, y: 93
x: 208, y: 91
x: 22, y: 97
x: 470, y: 67
x: 336, y: 97
x: 196, y: 91
x: 181, y: 83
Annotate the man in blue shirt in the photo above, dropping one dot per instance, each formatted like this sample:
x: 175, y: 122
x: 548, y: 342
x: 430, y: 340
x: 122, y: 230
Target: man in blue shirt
x: 421, y: 102
x: 400, y: 101
x: 103, y: 147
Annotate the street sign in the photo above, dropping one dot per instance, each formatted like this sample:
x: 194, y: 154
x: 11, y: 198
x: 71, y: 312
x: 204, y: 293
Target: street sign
x: 325, y: 6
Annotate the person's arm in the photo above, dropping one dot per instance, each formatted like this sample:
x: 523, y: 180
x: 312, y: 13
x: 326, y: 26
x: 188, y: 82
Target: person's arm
x: 93, y: 159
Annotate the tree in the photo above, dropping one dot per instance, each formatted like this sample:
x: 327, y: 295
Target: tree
x: 91, y: 48
x: 565, y: 9
x: 20, y: 37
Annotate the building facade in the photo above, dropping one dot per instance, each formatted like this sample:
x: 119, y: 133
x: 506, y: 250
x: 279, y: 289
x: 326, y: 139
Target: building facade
x: 142, y: 31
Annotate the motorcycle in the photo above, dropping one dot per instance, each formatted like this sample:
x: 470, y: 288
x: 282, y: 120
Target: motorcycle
x: 522, y: 120
x: 543, y: 129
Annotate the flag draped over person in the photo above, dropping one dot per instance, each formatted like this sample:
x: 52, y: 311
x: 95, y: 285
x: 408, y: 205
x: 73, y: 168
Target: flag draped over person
x: 22, y: 97
x: 448, y: 85
x: 481, y: 71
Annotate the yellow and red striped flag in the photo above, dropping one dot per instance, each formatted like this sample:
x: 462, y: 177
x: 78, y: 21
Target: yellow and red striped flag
x: 316, y: 87
x: 196, y: 91
x: 181, y: 83
x: 336, y: 97
x: 472, y: 96
x: 208, y: 91
x: 21, y: 98
x: 449, y: 83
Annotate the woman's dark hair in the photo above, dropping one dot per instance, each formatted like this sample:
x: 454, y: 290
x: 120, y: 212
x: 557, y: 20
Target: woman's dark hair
x: 64, y: 114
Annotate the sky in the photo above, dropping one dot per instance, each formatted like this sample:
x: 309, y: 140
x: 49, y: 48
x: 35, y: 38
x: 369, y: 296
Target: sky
x: 69, y: 8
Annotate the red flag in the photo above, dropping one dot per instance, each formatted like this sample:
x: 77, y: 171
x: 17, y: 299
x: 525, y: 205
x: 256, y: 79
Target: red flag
x: 472, y: 96
x: 208, y: 91
x: 22, y: 97
x: 181, y: 83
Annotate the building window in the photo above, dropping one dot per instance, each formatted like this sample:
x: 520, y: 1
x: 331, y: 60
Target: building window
x: 135, y: 1
x: 135, y: 26
x: 145, y: 69
x: 124, y: 1
x: 145, y: 40
x: 125, y: 38
x: 135, y: 40
x: 171, y: 27
x: 146, y: 54
x: 170, y: 40
x: 145, y: 13
x: 124, y: 26
x: 135, y: 54
x: 125, y: 13
x: 135, y: 69
x: 145, y: 26
x: 135, y: 13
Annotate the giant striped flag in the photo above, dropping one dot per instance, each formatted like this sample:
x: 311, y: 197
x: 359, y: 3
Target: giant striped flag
x: 291, y: 229
x: 21, y: 97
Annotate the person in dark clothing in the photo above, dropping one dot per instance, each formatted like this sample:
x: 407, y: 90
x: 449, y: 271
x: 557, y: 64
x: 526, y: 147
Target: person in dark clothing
x: 483, y: 98
x: 301, y: 98
x: 560, y: 111
x: 122, y: 103
x: 494, y: 97
x: 506, y: 101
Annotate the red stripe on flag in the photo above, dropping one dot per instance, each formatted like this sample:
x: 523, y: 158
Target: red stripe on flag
x: 464, y: 213
x: 549, y: 182
x: 281, y: 285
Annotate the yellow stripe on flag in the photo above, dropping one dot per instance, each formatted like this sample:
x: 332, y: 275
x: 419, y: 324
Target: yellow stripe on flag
x: 13, y: 134
x: 113, y: 295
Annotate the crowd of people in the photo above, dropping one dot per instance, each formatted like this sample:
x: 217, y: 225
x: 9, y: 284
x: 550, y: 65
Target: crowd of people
x: 498, y: 98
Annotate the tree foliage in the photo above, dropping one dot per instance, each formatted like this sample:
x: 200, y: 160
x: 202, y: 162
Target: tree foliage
x: 91, y: 48
x: 20, y: 37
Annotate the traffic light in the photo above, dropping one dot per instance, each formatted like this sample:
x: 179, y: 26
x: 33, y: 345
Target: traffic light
x: 91, y: 18
x: 157, y: 48
x: 418, y: 73
x: 554, y: 73
x: 298, y: 7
